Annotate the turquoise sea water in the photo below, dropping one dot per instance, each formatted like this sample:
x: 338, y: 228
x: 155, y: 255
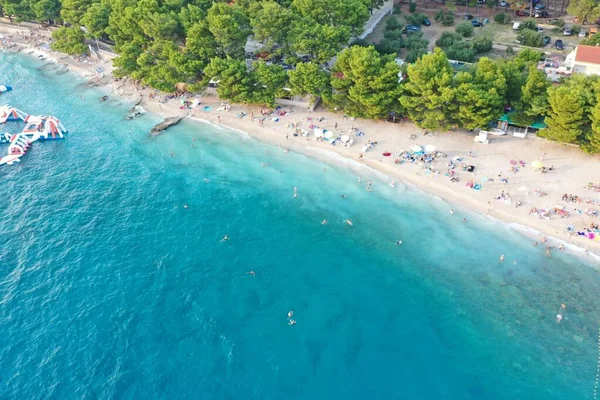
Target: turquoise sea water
x: 110, y: 288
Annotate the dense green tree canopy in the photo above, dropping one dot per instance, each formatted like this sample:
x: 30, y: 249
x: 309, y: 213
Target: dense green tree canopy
x: 309, y: 79
x: 69, y: 40
x: 365, y: 83
x: 429, y: 95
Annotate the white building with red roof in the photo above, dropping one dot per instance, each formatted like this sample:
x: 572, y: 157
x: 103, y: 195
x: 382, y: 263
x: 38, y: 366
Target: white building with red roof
x: 584, y: 60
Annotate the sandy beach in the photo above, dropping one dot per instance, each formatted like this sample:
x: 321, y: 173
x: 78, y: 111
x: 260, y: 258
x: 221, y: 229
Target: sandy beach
x: 550, y: 208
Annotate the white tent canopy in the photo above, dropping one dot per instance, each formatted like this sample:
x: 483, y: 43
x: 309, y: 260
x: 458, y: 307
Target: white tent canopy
x: 416, y: 148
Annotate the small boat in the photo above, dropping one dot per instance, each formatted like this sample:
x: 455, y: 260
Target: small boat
x: 4, y: 89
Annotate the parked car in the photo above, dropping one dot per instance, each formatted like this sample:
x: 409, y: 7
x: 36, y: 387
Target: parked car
x: 541, y: 14
x: 582, y: 33
x: 552, y: 21
x: 539, y: 29
x: 504, y: 3
x: 567, y: 31
x: 480, y: 1
x: 522, y: 13
x: 426, y: 22
x: 476, y: 23
x: 408, y: 29
x: 468, y: 17
x: 539, y: 6
x: 547, y: 40
x: 516, y: 26
x: 559, y: 44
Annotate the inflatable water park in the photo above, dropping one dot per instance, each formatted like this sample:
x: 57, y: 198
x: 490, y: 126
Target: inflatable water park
x: 36, y: 128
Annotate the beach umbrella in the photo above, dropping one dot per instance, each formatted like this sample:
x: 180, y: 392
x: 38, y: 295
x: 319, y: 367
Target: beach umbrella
x: 328, y: 135
x: 416, y: 148
x: 345, y: 138
x: 318, y: 132
x: 536, y: 164
x: 429, y: 148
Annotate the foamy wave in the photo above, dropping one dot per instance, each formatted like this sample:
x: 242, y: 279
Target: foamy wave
x: 535, y: 234
x: 244, y: 134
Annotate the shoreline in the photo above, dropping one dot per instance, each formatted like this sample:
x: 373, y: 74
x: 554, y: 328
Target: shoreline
x: 578, y: 167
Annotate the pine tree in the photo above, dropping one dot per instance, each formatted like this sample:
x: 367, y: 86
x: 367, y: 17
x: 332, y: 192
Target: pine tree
x: 534, y: 94
x: 429, y: 95
x: 566, y: 117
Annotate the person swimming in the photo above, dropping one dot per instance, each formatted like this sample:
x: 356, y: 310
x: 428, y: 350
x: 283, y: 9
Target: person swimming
x: 292, y: 322
x: 324, y: 222
x: 290, y: 314
x: 399, y: 242
x: 251, y: 273
x: 348, y: 222
x: 502, y: 258
x: 451, y: 212
x: 185, y: 206
x: 393, y: 184
x: 225, y: 238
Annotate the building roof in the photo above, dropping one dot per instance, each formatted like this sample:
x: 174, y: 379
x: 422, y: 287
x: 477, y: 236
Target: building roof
x: 587, y: 54
x: 538, y: 124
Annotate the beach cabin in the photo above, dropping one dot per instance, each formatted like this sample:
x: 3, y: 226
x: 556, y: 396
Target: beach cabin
x: 518, y: 130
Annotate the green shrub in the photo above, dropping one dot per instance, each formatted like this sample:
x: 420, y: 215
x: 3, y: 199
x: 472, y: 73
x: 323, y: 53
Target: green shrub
x: 393, y: 35
x: 444, y: 17
x: 416, y: 41
x: 510, y: 51
x: 575, y: 29
x: 502, y: 18
x: 461, y: 51
x: 529, y: 23
x: 413, y: 55
x: 356, y: 42
x: 530, y: 56
x: 397, y: 10
x: 388, y: 46
x: 448, y: 39
x: 392, y: 24
x: 530, y: 38
x: 482, y: 44
x: 556, y: 30
x: 465, y: 29
x: 415, y: 19
x: 412, y: 7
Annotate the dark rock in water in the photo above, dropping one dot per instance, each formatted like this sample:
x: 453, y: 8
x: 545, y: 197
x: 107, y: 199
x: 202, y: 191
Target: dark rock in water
x: 167, y: 123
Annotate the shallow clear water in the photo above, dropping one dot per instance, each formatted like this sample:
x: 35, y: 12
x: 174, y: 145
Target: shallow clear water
x: 110, y: 288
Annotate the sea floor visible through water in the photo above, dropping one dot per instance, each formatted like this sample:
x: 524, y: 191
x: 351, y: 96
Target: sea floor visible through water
x: 114, y: 282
